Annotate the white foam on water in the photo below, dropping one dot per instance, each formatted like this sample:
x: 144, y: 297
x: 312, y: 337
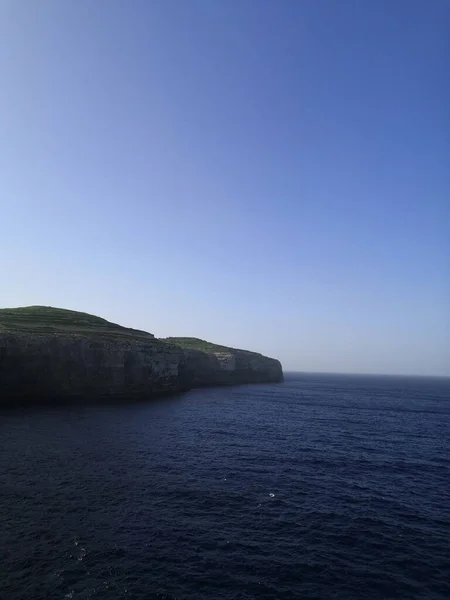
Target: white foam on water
x: 82, y: 554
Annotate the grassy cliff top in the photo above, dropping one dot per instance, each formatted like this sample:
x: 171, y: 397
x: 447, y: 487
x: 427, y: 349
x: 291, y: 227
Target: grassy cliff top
x: 190, y: 343
x: 46, y: 319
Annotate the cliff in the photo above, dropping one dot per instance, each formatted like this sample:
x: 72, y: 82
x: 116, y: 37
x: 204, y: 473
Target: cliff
x: 208, y: 364
x: 49, y: 354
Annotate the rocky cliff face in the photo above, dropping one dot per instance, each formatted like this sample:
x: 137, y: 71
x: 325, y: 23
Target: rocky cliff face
x: 54, y: 366
x: 230, y: 368
x: 82, y: 357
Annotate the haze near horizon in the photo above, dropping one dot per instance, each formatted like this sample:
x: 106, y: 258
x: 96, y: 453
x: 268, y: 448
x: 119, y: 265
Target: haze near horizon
x: 265, y: 175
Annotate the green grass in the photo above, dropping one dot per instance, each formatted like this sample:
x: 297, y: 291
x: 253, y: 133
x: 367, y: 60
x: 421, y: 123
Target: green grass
x: 46, y: 319
x: 190, y: 343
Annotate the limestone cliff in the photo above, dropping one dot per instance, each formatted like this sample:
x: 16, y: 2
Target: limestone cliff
x: 59, y: 366
x: 208, y: 364
x: 51, y: 354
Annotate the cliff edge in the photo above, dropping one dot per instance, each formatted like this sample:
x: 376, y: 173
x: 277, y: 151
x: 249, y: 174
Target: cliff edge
x: 51, y: 354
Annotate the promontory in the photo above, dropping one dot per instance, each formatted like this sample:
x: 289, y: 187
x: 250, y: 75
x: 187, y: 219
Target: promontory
x: 55, y: 355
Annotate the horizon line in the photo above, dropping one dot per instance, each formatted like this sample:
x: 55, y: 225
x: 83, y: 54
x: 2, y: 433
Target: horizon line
x: 365, y: 374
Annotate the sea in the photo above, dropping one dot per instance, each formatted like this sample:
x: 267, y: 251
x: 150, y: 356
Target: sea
x: 322, y: 487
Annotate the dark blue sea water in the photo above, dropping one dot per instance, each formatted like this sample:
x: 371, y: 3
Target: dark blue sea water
x: 322, y: 487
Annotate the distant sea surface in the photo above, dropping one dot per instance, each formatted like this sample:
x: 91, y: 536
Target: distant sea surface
x: 324, y: 487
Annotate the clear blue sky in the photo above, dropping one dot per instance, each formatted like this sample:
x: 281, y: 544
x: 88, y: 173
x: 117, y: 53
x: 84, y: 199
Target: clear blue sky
x: 272, y: 175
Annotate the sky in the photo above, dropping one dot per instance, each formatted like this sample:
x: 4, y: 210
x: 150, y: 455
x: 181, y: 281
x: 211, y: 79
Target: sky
x: 265, y: 174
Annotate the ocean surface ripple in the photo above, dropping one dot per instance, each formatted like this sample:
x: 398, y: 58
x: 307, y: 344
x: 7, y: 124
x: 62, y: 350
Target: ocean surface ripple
x: 324, y: 487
